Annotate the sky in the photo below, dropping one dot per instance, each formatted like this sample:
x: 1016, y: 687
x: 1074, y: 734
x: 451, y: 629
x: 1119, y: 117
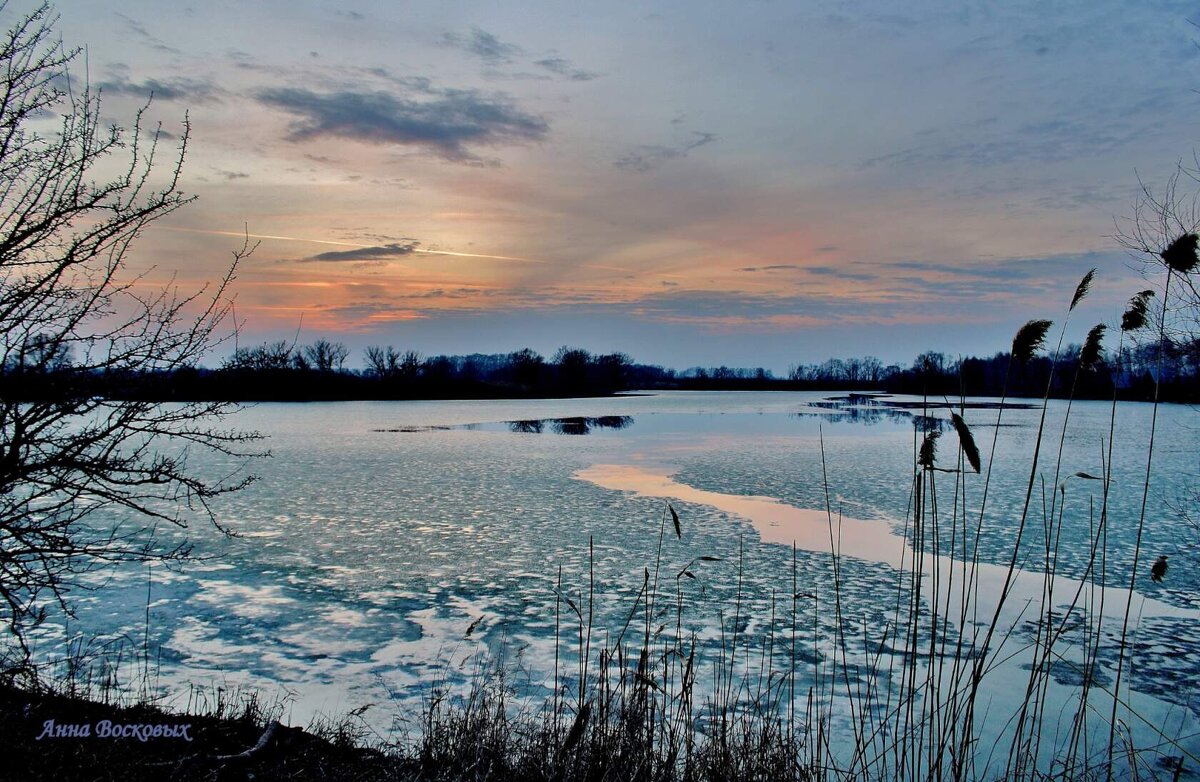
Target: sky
x: 693, y: 183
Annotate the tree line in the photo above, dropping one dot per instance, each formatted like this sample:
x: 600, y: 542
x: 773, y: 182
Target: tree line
x: 283, y: 371
x: 1129, y: 372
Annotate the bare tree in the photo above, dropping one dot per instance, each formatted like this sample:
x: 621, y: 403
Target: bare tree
x: 410, y: 364
x: 325, y: 356
x: 85, y: 479
x: 265, y: 357
x: 382, y: 361
x: 872, y: 369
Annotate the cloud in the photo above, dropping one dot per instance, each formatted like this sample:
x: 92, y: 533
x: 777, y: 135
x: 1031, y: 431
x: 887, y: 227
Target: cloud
x: 647, y: 158
x: 773, y: 268
x: 735, y: 311
x: 564, y: 68
x: 483, y: 45
x: 380, y: 253
x: 358, y: 316
x: 710, y: 305
x: 819, y: 271
x: 1006, y: 270
x: 1077, y: 129
x: 841, y: 273
x: 494, y: 53
x: 1021, y: 282
x: 138, y: 29
x: 179, y: 88
x: 447, y: 123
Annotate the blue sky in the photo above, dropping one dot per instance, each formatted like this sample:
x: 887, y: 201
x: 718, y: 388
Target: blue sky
x: 754, y: 183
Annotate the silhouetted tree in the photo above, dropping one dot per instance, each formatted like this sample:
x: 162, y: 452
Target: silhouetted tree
x: 382, y: 362
x: 41, y: 354
x: 326, y: 356
x: 410, y: 364
x: 612, y: 370
x: 572, y: 366
x: 437, y: 371
x: 262, y: 358
x: 872, y: 370
x: 85, y: 478
x: 526, y: 367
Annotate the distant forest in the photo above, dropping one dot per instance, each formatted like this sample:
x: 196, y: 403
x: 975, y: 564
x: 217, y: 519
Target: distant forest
x: 281, y: 371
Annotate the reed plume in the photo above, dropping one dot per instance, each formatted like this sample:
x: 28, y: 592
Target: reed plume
x: 577, y: 728
x: 1158, y: 571
x: 966, y: 440
x: 1180, y: 254
x: 1082, y: 289
x: 1029, y: 338
x: 1089, y: 355
x: 1136, y: 314
x: 928, y: 450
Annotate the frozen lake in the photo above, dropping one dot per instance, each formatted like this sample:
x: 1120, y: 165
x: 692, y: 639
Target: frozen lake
x: 380, y: 532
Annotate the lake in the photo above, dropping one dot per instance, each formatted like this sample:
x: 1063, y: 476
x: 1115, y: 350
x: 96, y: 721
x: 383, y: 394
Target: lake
x: 380, y: 532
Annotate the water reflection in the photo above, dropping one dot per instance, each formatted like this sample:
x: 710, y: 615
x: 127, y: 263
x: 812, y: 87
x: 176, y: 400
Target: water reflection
x: 574, y: 426
x: 872, y: 414
x: 871, y: 409
x: 413, y: 429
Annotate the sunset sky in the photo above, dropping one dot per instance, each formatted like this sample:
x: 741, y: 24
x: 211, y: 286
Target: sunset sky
x: 742, y: 183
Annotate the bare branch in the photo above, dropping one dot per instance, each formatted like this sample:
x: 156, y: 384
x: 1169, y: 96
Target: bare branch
x: 85, y: 479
